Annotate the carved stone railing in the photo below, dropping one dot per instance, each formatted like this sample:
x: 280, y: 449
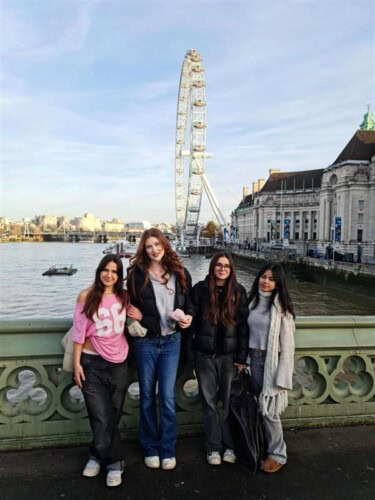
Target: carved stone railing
x: 334, y: 383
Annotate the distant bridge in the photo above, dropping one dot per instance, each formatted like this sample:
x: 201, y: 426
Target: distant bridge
x: 79, y: 236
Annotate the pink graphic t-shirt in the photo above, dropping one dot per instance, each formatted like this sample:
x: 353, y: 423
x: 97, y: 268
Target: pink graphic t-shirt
x: 106, y: 330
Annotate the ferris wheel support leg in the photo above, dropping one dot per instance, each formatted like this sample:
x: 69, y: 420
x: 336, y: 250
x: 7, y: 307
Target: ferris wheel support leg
x: 213, y: 201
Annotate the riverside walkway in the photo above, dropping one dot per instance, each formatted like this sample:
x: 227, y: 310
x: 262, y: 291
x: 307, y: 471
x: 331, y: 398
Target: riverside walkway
x: 326, y: 463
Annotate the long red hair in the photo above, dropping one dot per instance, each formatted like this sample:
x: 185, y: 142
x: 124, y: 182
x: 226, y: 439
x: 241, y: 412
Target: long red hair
x: 170, y: 262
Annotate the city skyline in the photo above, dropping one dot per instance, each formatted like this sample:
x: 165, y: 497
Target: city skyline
x: 89, y: 106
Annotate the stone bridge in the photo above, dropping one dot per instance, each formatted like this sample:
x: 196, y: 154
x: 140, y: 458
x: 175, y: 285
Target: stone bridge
x: 334, y: 383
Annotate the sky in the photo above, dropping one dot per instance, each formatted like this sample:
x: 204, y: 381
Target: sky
x: 89, y: 94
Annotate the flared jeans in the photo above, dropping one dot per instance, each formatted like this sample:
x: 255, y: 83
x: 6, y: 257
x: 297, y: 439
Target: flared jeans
x: 157, y: 361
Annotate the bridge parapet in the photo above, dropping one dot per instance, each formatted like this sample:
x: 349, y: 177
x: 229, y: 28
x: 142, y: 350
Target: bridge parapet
x: 334, y: 383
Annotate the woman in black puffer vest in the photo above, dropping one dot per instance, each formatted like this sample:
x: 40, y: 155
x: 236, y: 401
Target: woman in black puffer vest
x: 219, y: 346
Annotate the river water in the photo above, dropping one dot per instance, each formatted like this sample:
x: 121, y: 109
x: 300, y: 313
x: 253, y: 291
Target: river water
x: 25, y: 293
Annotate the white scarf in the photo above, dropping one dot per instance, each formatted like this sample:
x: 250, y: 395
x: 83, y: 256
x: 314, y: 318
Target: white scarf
x: 273, y: 400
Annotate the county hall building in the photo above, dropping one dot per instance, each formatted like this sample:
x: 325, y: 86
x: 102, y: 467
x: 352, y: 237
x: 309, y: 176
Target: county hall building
x: 311, y: 210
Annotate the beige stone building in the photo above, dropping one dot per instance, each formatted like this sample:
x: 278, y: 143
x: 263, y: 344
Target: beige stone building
x: 114, y: 226
x: 315, y: 209
x: 46, y: 223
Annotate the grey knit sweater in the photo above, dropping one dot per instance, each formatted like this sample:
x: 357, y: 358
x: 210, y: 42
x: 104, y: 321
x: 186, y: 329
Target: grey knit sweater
x: 259, y: 321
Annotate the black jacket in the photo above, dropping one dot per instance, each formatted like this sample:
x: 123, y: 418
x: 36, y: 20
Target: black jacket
x: 146, y: 302
x: 236, y: 337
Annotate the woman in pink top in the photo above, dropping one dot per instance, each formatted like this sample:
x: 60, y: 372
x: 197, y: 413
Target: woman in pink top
x: 100, y: 368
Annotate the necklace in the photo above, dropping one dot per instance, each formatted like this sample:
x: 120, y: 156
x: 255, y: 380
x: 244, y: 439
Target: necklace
x: 157, y: 274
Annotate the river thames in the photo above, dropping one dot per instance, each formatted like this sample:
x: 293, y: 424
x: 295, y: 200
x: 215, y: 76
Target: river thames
x: 25, y: 293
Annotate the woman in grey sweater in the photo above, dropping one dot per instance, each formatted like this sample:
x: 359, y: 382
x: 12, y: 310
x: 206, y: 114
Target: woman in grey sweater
x: 271, y: 343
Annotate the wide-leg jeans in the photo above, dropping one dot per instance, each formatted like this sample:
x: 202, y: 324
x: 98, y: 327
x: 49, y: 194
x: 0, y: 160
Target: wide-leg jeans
x: 104, y: 392
x: 157, y: 361
x: 215, y: 374
x: 272, y: 425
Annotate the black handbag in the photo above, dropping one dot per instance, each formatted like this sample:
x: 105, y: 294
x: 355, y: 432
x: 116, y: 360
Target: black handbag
x: 246, y: 422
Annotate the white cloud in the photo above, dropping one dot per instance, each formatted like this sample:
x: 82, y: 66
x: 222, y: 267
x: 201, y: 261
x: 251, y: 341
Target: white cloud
x: 59, y: 29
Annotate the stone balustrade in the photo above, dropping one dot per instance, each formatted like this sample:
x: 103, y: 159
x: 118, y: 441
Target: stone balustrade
x: 334, y: 383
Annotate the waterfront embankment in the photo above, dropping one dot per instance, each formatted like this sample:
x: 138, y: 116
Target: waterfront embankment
x: 361, y: 274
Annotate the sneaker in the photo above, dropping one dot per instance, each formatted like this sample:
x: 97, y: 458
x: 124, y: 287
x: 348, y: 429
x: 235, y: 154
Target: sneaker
x: 168, y: 463
x: 92, y: 468
x: 114, y: 477
x: 152, y: 462
x: 229, y: 456
x: 214, y: 458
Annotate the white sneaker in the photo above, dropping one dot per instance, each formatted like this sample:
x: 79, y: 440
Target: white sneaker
x: 214, y: 458
x: 152, y: 462
x: 168, y: 463
x: 229, y: 456
x: 114, y: 477
x: 92, y: 468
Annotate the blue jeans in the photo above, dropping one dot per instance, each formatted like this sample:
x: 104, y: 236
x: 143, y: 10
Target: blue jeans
x: 157, y: 361
x: 273, y: 429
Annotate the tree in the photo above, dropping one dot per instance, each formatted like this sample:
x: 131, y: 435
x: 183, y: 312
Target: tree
x: 209, y: 230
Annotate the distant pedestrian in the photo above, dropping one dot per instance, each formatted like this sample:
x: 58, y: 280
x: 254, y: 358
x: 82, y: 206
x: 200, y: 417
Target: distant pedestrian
x: 100, y: 367
x: 158, y: 284
x: 359, y: 254
x: 271, y: 343
x: 220, y: 348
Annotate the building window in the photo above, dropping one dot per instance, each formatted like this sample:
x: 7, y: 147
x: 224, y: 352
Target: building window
x: 361, y: 218
x: 314, y: 236
x: 305, y: 237
x: 359, y: 235
x: 296, y: 235
x: 361, y: 204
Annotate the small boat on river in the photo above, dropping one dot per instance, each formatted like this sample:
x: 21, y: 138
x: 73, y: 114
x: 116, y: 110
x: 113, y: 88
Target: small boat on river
x: 120, y: 250
x: 60, y: 271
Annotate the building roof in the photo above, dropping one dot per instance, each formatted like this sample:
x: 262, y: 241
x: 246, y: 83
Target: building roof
x: 306, y: 179
x: 360, y: 147
x: 246, y: 202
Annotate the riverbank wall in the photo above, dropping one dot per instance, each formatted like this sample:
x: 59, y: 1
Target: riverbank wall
x: 334, y: 383
x: 319, y: 270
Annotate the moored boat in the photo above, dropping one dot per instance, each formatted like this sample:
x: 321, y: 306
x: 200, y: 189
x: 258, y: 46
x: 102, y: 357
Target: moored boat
x: 60, y: 271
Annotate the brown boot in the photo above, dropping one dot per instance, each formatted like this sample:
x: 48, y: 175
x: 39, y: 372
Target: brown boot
x: 270, y: 465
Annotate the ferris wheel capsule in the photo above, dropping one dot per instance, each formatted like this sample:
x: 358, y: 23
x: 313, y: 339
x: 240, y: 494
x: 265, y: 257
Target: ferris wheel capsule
x: 199, y: 84
x: 199, y: 103
x: 199, y: 124
x: 197, y: 68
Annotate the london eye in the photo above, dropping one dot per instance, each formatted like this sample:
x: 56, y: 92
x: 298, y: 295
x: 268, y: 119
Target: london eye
x: 190, y: 151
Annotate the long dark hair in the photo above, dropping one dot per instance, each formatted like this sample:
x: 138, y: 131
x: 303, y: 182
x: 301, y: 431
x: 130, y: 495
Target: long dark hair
x: 224, y: 313
x: 170, y: 262
x: 95, y: 294
x: 280, y: 289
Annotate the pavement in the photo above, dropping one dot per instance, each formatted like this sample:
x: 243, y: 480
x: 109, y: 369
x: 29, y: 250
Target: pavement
x: 327, y: 463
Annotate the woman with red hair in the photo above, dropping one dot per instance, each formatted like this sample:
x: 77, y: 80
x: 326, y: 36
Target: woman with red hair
x: 158, y: 284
